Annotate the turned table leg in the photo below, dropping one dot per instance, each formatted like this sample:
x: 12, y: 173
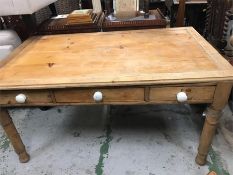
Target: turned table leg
x: 213, y: 115
x: 13, y: 135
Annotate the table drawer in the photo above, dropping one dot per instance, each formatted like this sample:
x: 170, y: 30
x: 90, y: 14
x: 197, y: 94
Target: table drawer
x: 108, y: 95
x: 32, y: 97
x: 169, y: 94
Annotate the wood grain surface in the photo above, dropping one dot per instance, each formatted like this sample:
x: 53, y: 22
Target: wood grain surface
x: 120, y: 95
x: 195, y: 94
x: 143, y: 57
x: 33, y: 97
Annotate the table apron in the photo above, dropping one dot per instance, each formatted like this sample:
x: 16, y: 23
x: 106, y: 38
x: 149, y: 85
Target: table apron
x: 111, y: 95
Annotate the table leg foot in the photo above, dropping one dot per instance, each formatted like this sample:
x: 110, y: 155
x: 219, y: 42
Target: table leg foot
x: 13, y: 135
x: 24, y: 157
x: 200, y: 159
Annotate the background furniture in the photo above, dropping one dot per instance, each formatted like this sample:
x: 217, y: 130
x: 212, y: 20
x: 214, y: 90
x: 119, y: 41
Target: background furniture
x: 219, y: 32
x: 19, y: 7
x: 26, y: 25
x: 158, y: 22
x: 25, y: 22
x: 180, y: 14
x: 125, y: 9
x: 228, y: 34
x: 219, y: 13
x: 154, y: 4
x: 9, y: 40
x: 60, y: 26
x: 97, y: 7
x: 195, y: 14
x: 16, y: 23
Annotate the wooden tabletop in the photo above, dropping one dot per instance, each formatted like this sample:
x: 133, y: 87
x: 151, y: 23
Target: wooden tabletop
x: 142, y: 57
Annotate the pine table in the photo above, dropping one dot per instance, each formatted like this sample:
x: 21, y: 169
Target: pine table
x: 159, y: 66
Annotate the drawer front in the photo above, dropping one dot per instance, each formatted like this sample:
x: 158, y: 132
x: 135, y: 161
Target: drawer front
x: 32, y: 97
x: 169, y: 94
x: 109, y: 95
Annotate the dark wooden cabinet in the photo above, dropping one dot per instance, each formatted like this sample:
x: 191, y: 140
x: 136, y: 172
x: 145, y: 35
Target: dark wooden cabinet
x: 195, y: 13
x: 218, y: 18
x: 219, y: 29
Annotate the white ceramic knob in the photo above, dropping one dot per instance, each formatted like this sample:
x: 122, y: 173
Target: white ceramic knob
x: 21, y: 98
x: 182, y: 97
x: 98, y: 96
